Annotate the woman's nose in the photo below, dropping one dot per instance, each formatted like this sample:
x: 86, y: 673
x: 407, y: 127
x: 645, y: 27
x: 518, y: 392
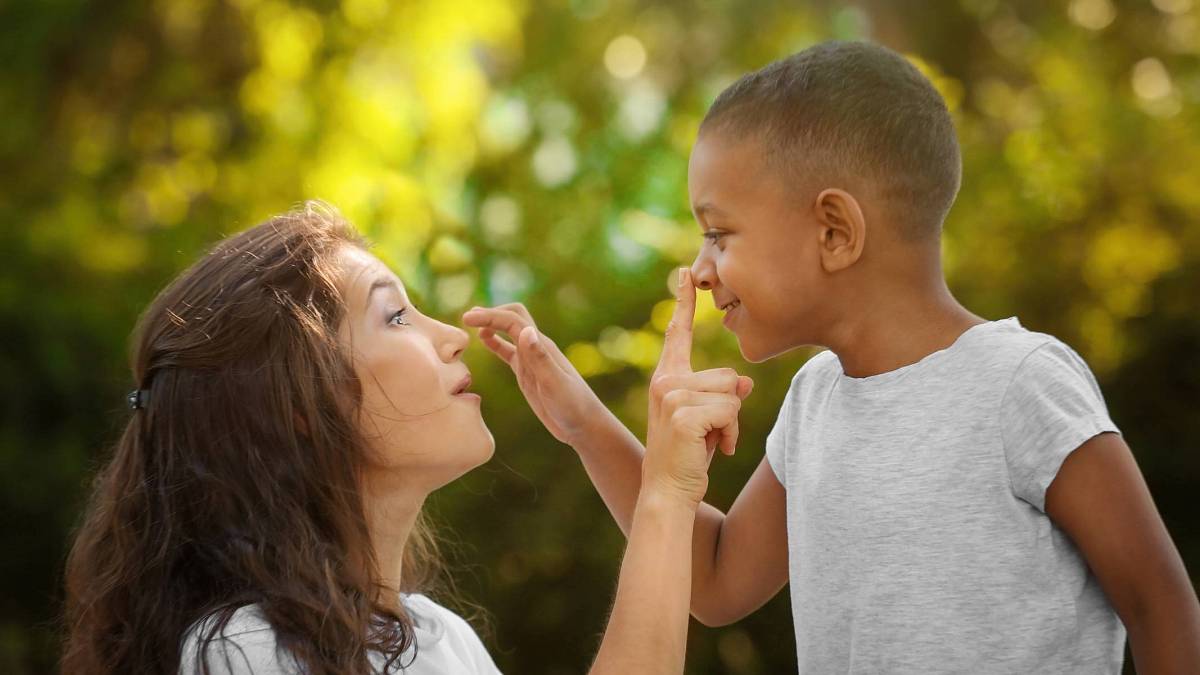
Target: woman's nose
x: 454, y: 341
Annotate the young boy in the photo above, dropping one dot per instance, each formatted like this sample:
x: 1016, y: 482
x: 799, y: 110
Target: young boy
x: 945, y: 493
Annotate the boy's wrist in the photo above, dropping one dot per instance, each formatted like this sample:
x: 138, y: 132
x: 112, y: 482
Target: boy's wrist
x: 657, y: 497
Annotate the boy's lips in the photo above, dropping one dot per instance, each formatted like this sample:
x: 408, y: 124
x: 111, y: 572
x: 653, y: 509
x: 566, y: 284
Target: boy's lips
x: 730, y: 313
x: 729, y: 306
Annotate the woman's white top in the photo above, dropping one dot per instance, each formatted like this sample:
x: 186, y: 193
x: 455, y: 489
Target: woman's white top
x: 446, y: 645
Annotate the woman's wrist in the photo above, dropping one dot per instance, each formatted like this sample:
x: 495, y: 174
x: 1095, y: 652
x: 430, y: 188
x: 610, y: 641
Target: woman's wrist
x: 599, y: 429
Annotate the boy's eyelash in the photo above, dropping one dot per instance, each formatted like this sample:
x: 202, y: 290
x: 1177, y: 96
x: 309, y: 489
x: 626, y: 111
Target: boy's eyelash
x: 713, y: 236
x: 399, y: 315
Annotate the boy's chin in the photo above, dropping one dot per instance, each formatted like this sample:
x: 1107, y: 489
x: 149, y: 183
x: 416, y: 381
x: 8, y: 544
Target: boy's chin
x: 751, y: 350
x: 756, y: 350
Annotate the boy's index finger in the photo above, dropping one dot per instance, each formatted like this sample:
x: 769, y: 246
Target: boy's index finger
x: 677, y: 344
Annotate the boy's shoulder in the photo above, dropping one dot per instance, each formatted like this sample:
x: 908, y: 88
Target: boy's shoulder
x: 1010, y: 336
x: 992, y: 350
x: 822, y: 366
x: 817, y: 374
x: 1005, y: 346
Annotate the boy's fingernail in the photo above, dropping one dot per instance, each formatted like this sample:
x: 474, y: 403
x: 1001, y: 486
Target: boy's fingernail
x: 533, y: 339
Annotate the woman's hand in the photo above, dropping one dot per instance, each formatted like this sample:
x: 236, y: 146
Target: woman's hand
x: 558, y: 394
x: 691, y: 414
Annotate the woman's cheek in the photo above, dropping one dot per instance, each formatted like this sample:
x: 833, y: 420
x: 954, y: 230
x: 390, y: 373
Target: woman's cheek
x: 405, y: 385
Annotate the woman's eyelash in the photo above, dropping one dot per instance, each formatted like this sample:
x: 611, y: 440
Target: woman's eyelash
x: 399, y: 315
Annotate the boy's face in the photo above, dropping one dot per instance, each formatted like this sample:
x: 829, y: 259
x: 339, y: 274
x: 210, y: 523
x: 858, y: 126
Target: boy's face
x: 760, y: 257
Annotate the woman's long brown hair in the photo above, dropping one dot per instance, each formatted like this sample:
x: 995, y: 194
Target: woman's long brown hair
x: 237, y: 482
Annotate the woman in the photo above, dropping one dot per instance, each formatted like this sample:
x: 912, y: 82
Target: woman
x: 262, y: 509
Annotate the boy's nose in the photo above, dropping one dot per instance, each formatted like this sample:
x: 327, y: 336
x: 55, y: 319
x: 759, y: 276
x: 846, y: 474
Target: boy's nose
x: 704, y: 274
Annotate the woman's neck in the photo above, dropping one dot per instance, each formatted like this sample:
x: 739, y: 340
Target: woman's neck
x: 391, y: 513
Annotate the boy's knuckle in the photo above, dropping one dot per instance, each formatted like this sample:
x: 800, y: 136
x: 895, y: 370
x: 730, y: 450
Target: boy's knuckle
x: 673, y: 399
x: 672, y: 383
x: 659, y: 386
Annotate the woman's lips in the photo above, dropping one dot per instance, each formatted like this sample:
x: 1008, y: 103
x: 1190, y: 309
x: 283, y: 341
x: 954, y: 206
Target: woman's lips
x: 461, y: 390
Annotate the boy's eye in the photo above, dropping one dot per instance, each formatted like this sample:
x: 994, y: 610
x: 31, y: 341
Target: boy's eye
x: 713, y: 236
x: 398, y: 318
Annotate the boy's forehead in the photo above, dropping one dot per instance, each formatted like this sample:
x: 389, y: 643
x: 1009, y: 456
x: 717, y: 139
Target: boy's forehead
x: 723, y: 171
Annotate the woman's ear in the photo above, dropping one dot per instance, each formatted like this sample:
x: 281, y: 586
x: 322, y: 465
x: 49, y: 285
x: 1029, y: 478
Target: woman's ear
x: 841, y: 227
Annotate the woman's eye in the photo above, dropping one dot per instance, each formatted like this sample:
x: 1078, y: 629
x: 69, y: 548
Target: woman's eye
x: 398, y: 318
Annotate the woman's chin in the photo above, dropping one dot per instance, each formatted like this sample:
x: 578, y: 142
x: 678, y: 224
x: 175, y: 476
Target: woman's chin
x: 489, y: 449
x: 478, y: 455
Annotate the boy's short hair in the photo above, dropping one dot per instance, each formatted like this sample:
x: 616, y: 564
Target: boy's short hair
x: 839, y: 110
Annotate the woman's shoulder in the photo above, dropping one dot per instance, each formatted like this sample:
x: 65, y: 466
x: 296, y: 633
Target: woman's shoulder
x: 432, y: 620
x: 442, y: 632
x: 243, y: 644
x: 246, y: 644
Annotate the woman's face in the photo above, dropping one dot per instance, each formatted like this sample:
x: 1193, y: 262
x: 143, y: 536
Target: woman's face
x: 424, y: 429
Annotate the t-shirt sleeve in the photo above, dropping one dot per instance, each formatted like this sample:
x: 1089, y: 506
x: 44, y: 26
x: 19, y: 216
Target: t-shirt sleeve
x: 777, y: 439
x: 1052, y: 406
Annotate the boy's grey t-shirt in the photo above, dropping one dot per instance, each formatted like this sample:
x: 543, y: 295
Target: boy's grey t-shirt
x: 917, y: 538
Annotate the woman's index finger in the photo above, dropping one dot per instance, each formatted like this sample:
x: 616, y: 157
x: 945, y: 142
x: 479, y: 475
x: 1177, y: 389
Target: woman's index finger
x: 503, y: 320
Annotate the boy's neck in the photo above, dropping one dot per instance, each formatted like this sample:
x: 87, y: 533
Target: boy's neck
x: 899, y: 329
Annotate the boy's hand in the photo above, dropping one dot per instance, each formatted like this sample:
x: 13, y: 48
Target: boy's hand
x: 558, y: 394
x: 690, y: 413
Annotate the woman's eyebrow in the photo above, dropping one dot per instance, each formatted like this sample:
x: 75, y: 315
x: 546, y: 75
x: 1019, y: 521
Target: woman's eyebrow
x: 382, y: 282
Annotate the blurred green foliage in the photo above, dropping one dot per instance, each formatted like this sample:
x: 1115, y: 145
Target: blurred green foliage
x: 507, y: 149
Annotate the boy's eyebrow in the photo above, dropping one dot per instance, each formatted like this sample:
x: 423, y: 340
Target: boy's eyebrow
x: 705, y: 209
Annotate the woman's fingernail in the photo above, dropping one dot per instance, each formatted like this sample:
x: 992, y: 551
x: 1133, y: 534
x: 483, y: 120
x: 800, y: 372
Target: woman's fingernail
x: 682, y: 275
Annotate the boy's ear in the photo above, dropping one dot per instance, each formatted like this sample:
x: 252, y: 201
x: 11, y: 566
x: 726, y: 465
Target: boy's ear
x: 842, y: 229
